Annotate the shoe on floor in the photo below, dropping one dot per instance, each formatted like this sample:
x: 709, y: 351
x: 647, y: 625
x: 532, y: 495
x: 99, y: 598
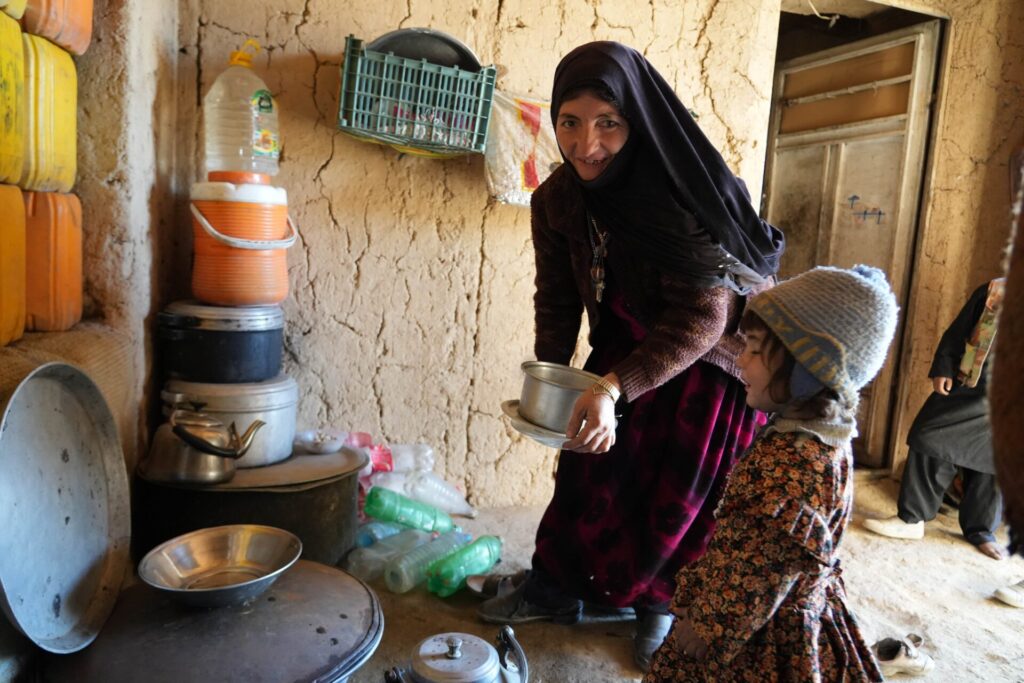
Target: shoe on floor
x: 513, y: 608
x: 894, y: 527
x: 651, y: 629
x: 486, y: 586
x: 1012, y: 595
x: 902, y: 656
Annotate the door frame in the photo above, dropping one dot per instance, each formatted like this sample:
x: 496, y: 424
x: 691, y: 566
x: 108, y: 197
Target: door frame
x: 886, y: 418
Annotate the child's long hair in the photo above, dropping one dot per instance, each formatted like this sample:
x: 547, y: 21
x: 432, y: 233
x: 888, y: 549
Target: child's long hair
x: 826, y: 404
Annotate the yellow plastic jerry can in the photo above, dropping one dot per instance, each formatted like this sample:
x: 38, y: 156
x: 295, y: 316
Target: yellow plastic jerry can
x: 14, y: 8
x: 12, y: 264
x: 12, y: 101
x: 51, y: 98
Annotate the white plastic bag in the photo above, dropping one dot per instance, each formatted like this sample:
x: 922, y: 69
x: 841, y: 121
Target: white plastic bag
x: 521, y: 149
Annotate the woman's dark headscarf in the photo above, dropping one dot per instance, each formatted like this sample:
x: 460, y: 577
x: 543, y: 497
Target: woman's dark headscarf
x: 666, y: 175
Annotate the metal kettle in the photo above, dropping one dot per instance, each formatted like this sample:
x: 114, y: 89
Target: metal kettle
x: 194, y: 448
x: 464, y: 658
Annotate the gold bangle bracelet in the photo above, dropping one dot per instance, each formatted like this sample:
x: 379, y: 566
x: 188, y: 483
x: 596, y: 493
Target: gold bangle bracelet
x: 603, y: 386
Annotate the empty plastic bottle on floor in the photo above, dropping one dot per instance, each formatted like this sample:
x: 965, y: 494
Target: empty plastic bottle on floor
x: 371, y: 532
x: 449, y: 575
x: 240, y: 118
x: 388, y: 506
x: 410, y: 569
x: 428, y: 488
x: 411, y: 456
x: 368, y: 563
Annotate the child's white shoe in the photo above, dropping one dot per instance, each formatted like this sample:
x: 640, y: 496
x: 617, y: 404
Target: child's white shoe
x: 1012, y: 595
x: 894, y: 527
x: 902, y: 656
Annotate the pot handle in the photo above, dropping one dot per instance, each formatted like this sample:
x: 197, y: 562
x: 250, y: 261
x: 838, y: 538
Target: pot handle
x: 239, y: 243
x: 507, y: 641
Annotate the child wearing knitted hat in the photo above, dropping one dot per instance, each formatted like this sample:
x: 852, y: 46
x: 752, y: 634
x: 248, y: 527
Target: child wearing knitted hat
x: 766, y: 601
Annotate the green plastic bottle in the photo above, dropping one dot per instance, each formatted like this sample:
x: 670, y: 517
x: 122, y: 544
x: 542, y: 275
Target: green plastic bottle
x: 448, y: 575
x: 388, y: 506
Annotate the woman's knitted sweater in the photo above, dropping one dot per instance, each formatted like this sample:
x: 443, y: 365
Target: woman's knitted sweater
x: 684, y: 323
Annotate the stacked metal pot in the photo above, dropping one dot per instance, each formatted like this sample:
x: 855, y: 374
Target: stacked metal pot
x: 221, y: 353
x: 225, y: 363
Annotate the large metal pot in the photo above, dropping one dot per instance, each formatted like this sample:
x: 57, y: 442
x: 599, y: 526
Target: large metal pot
x: 273, y: 402
x: 549, y: 393
x: 229, y: 345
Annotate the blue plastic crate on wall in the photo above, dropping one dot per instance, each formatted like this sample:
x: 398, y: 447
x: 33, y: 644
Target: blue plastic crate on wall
x: 412, y: 104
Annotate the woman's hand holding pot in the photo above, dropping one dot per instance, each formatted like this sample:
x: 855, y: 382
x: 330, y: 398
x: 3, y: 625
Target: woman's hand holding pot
x: 593, y: 421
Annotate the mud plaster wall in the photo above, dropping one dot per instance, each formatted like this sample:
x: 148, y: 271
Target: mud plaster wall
x: 411, y: 294
x: 979, y: 121
x: 126, y: 121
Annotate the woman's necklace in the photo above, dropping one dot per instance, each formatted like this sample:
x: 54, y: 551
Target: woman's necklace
x: 599, y: 248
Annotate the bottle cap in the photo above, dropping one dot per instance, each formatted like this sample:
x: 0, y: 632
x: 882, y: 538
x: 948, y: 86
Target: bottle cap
x: 242, y: 58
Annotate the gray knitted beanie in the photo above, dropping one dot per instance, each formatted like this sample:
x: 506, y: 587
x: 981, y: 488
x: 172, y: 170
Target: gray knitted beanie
x: 837, y: 323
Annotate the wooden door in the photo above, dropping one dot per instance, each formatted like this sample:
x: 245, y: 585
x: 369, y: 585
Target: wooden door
x: 844, y: 173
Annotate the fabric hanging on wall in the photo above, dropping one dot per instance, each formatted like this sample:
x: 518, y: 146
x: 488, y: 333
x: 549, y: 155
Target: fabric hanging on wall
x: 521, y: 149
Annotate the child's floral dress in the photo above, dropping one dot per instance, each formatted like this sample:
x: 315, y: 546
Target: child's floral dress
x: 767, y: 598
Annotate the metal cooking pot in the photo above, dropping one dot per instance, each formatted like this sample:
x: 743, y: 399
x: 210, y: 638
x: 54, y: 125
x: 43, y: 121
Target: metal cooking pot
x: 464, y: 658
x: 549, y: 393
x: 273, y: 402
x: 194, y: 448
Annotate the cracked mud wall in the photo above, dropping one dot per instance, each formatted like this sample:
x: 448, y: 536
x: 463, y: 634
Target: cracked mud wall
x: 410, y: 306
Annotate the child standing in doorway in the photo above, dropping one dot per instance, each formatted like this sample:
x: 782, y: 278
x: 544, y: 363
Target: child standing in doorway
x: 766, y: 603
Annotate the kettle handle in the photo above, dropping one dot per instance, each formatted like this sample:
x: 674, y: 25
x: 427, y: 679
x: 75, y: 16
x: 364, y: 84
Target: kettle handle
x: 507, y: 641
x: 204, y: 445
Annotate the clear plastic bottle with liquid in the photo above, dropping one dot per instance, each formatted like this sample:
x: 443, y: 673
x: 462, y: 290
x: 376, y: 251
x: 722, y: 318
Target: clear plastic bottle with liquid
x: 371, y: 532
x: 240, y: 119
x: 368, y: 563
x: 410, y: 569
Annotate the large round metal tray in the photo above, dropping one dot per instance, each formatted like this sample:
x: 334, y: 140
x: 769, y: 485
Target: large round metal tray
x: 63, y: 505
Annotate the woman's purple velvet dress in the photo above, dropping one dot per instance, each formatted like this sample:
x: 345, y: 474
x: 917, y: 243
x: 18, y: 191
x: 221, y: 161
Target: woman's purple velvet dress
x: 622, y: 523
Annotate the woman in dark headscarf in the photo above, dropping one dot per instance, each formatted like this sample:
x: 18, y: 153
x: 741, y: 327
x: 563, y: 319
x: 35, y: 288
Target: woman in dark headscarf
x: 647, y: 229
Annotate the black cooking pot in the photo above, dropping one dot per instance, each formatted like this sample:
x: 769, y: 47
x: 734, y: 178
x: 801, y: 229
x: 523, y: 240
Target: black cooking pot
x: 218, y: 344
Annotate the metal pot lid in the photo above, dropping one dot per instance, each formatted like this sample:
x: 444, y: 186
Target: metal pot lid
x: 280, y: 392
x: 194, y: 315
x: 456, y: 658
x: 298, y: 470
x: 63, y: 505
x: 425, y: 43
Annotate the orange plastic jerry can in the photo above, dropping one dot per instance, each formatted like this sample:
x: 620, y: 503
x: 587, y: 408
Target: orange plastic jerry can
x: 12, y: 101
x: 66, y: 22
x: 12, y: 264
x: 51, y: 115
x: 53, y: 261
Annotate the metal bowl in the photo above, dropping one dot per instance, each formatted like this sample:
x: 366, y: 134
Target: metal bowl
x: 219, y: 566
x: 549, y: 393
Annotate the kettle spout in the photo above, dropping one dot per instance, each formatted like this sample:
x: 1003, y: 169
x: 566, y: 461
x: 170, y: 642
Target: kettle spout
x: 241, y: 444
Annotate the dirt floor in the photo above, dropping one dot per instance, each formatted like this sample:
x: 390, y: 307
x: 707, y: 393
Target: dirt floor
x: 939, y: 587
